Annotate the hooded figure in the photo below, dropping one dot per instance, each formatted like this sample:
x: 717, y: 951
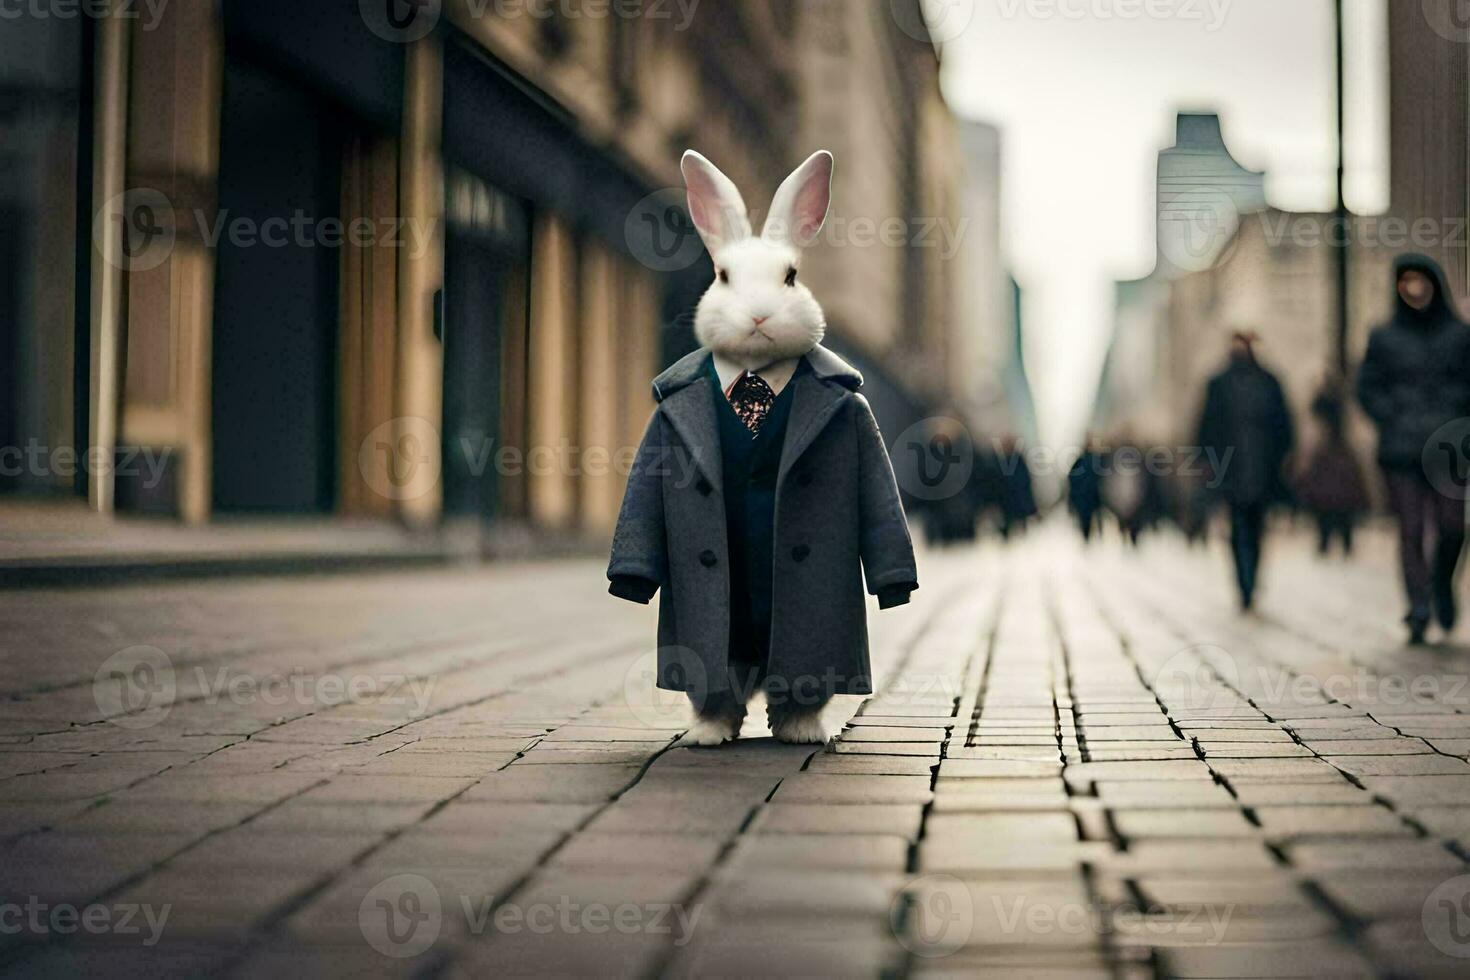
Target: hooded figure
x: 762, y: 496
x: 1247, y: 426
x: 1415, y: 380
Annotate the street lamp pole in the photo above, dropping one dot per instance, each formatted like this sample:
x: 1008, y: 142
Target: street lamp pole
x: 1342, y: 240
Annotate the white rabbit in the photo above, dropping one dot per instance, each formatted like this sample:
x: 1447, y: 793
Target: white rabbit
x: 758, y: 311
x: 796, y: 513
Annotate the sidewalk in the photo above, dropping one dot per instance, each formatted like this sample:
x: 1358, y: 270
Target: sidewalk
x: 1074, y: 767
x: 65, y: 544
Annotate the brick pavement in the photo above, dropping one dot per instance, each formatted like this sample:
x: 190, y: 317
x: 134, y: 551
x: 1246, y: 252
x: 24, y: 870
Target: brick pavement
x: 1073, y: 768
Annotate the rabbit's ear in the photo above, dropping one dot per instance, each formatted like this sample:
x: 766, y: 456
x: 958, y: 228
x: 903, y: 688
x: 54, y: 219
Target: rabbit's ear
x: 715, y: 204
x: 800, y: 208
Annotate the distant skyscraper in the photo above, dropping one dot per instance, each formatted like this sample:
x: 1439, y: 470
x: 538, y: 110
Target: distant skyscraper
x: 1202, y: 194
x: 988, y: 365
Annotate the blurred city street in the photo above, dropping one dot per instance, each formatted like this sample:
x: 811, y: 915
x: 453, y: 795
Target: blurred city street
x: 1071, y: 768
x: 1053, y: 415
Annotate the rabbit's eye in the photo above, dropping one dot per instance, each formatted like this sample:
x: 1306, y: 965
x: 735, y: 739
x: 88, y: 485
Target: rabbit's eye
x: 791, y: 276
x: 725, y: 276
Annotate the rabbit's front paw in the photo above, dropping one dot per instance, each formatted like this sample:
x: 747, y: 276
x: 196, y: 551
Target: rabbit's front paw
x: 709, y: 732
x: 800, y: 729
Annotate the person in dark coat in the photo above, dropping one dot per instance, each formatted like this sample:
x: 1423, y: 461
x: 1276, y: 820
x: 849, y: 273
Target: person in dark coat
x: 1018, y: 496
x: 1133, y: 490
x: 1415, y: 380
x: 1084, y: 489
x: 987, y: 482
x: 950, y: 512
x: 1330, y: 484
x: 1247, y: 427
x: 762, y: 500
x: 1191, y: 507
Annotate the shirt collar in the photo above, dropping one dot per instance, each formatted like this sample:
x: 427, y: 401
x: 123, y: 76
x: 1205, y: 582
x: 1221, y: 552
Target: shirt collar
x: 777, y: 375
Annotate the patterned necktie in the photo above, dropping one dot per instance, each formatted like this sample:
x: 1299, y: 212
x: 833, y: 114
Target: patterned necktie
x: 752, y: 399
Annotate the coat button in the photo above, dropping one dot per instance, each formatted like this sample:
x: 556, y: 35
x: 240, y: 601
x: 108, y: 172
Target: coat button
x: 708, y: 558
x: 704, y: 488
x: 800, y: 552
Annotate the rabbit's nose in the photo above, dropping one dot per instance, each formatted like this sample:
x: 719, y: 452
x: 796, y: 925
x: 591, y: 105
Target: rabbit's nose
x: 760, y: 319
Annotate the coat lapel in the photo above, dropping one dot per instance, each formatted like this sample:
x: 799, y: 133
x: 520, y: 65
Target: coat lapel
x: 686, y: 395
x: 691, y: 411
x: 813, y: 404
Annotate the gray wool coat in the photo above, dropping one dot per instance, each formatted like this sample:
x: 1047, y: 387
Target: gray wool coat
x: 838, y: 520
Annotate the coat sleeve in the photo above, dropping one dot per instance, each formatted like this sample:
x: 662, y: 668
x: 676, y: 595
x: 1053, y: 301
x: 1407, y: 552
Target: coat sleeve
x: 887, y: 550
x: 639, y: 564
x: 1373, y: 382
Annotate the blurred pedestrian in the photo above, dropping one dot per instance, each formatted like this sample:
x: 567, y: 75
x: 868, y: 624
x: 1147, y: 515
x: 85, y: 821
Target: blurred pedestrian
x: 1126, y: 488
x: 1247, y: 429
x: 1018, y: 500
x: 1414, y: 380
x: 1191, y: 507
x: 1330, y: 483
x: 950, y: 518
x: 1132, y: 490
x: 1084, y: 489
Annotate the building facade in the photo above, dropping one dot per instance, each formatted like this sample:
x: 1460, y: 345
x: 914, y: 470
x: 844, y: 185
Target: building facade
x: 417, y: 260
x: 1202, y: 196
x: 987, y: 363
x: 1429, y: 128
x: 1274, y: 272
x: 1277, y: 278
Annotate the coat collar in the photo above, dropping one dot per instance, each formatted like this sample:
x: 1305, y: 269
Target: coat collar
x: 685, y: 393
x: 825, y: 365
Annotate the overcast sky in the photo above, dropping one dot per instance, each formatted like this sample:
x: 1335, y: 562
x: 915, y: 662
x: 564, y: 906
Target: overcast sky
x: 1086, y: 96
